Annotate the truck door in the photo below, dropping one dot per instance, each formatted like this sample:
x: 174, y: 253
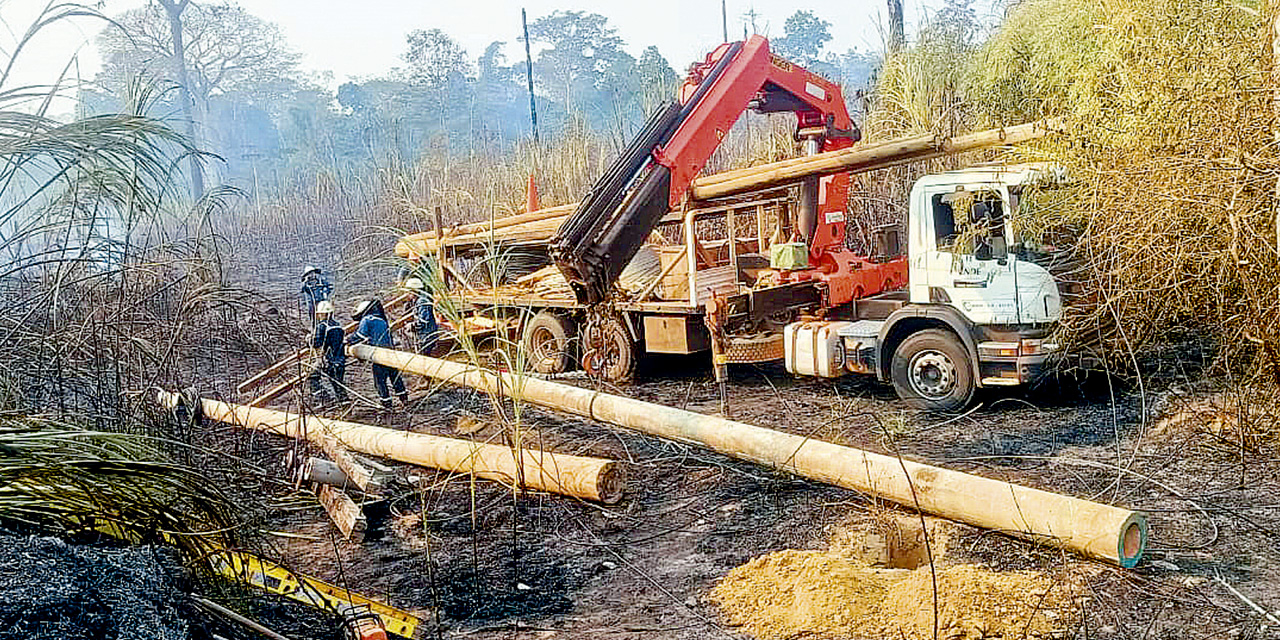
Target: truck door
x: 968, y: 264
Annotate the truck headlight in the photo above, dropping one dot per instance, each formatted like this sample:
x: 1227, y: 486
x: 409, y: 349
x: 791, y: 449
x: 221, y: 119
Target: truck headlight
x: 1030, y: 347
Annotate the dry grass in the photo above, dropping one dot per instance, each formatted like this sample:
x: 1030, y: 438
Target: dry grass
x: 1172, y: 149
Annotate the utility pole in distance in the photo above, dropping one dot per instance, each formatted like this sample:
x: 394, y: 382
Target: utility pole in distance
x: 724, y: 20
x: 528, y: 61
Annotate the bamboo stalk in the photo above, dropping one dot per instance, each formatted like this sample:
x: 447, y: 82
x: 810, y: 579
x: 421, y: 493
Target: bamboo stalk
x: 1096, y: 530
x: 577, y: 476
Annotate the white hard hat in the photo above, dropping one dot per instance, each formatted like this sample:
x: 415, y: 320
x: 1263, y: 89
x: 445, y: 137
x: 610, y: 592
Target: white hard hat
x: 310, y: 270
x: 324, y: 306
x: 413, y: 283
x: 362, y: 307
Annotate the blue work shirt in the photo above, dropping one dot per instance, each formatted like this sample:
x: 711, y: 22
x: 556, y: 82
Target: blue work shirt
x: 373, y: 331
x: 329, y: 335
x: 315, y: 290
x: 424, y: 315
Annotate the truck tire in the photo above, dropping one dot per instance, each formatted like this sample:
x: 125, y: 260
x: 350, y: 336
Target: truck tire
x: 931, y: 370
x: 608, y: 352
x: 548, y: 342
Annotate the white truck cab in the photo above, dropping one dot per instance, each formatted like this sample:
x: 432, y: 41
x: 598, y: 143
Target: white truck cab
x: 974, y: 314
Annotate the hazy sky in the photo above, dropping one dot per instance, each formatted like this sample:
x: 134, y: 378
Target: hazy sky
x: 353, y: 38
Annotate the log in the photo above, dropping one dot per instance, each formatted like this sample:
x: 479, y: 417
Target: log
x: 861, y: 159
x: 542, y: 224
x: 429, y: 242
x: 1092, y: 529
x: 320, y: 471
x: 344, y: 512
x: 355, y: 472
x: 511, y: 221
x: 577, y: 476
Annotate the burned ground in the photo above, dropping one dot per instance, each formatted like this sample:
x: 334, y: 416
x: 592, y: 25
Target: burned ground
x: 476, y: 561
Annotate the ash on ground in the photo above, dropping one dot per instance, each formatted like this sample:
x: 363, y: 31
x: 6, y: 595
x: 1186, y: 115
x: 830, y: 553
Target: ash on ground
x: 55, y: 590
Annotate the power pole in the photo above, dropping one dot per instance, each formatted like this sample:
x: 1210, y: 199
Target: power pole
x: 724, y: 20
x: 528, y: 66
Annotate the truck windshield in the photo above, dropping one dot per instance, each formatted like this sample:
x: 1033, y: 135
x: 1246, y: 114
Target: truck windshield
x: 971, y: 223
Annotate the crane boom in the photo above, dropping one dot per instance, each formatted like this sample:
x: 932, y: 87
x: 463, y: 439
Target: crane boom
x: 657, y: 170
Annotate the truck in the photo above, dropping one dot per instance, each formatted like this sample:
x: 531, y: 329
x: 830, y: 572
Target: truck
x: 753, y: 265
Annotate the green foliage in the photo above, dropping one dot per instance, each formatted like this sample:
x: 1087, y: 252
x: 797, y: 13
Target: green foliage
x: 435, y: 59
x: 658, y: 81
x: 1169, y: 139
x: 581, y: 50
x: 61, y: 479
x: 804, y: 35
x: 920, y: 88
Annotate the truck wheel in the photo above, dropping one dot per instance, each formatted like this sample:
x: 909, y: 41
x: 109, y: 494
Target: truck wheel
x: 548, y: 342
x: 608, y: 352
x: 931, y: 370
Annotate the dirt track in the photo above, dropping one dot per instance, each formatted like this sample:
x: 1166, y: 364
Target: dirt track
x: 544, y: 566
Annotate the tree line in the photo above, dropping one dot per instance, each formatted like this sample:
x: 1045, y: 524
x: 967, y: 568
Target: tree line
x: 237, y: 85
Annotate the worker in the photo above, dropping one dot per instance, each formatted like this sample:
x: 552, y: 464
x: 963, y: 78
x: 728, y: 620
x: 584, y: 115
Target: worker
x: 376, y: 332
x: 314, y: 289
x: 327, y: 341
x: 425, y: 328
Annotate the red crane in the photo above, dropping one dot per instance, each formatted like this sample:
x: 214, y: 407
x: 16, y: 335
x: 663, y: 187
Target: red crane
x: 654, y: 175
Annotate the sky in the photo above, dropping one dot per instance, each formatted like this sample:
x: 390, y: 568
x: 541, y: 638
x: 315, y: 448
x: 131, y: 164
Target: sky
x: 363, y: 38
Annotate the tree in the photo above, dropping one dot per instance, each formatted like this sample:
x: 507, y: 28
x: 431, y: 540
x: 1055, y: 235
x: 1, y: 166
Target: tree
x: 804, y: 36
x: 658, y: 80
x: 435, y: 59
x: 210, y: 52
x: 582, y: 48
x: 223, y: 49
x: 173, y: 11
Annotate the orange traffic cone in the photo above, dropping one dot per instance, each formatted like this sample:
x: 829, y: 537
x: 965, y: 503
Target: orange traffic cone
x: 531, y: 196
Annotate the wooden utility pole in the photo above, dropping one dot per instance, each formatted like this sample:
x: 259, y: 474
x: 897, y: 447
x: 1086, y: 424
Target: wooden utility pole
x: 173, y: 9
x: 897, y: 31
x: 578, y: 476
x: 528, y: 72
x: 1095, y: 530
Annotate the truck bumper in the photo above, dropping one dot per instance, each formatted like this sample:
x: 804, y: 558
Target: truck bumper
x: 1003, y: 365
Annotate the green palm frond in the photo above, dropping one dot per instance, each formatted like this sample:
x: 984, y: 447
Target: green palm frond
x: 61, y: 479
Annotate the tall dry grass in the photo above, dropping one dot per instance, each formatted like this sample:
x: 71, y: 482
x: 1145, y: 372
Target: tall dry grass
x: 1172, y: 147
x: 112, y: 285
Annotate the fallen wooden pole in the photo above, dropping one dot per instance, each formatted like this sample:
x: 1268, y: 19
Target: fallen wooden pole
x: 1096, y: 530
x: 578, y: 476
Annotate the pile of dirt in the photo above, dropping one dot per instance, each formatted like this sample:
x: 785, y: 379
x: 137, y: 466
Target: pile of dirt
x: 838, y: 593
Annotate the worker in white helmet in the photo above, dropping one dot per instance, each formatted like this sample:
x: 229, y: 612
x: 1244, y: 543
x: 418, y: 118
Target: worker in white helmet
x: 327, y: 339
x: 426, y: 330
x: 376, y: 332
x: 315, y: 289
